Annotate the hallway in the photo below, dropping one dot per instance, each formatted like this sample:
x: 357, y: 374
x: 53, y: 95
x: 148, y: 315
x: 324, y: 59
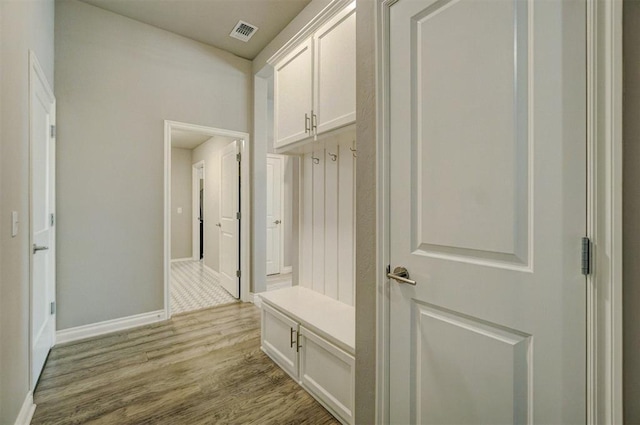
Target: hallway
x: 204, y: 367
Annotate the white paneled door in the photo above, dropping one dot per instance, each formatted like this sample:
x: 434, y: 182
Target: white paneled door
x: 487, y: 118
x: 274, y: 213
x: 230, y: 220
x: 43, y: 290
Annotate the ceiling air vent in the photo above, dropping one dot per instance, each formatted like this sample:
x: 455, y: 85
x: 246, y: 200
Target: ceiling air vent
x: 243, y: 31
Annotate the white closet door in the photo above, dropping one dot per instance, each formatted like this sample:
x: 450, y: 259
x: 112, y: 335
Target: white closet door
x: 230, y: 225
x: 274, y: 213
x: 487, y: 108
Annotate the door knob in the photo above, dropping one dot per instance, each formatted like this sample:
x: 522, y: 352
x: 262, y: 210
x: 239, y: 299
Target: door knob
x: 401, y: 275
x: 218, y: 225
x: 277, y: 222
x: 37, y: 248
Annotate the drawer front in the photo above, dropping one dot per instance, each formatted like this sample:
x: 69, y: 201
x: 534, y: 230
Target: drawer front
x: 279, y: 339
x: 328, y: 373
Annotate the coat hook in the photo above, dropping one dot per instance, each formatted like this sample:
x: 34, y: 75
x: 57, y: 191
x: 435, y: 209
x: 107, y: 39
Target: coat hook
x: 333, y: 156
x: 315, y: 160
x: 353, y: 150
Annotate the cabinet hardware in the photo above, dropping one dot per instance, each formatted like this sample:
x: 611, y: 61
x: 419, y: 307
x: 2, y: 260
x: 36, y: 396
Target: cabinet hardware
x: 315, y: 160
x: 298, y: 346
x: 333, y: 156
x: 293, y: 341
x: 314, y: 122
x: 307, y: 123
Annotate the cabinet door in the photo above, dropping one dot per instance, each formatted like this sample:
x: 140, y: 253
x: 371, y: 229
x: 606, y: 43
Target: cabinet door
x: 292, y: 96
x: 335, y: 71
x: 328, y: 373
x: 279, y: 339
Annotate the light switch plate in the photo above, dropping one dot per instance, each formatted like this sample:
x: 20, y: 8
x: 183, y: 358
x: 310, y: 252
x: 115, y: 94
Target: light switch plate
x: 14, y: 224
x: 179, y: 210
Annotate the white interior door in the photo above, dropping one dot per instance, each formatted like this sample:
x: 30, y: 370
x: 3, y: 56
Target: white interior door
x: 487, y: 211
x: 42, y: 118
x: 274, y: 213
x: 229, y: 221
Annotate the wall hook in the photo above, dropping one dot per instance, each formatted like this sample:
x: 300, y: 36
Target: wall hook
x: 333, y: 156
x: 354, y: 150
x: 315, y: 160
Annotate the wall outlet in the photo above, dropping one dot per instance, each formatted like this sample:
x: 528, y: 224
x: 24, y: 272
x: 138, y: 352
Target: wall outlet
x: 14, y: 224
x: 179, y: 210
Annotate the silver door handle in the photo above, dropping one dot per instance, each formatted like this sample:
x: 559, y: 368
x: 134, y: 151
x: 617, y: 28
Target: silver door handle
x: 277, y: 222
x: 218, y: 225
x: 37, y: 248
x: 401, y: 275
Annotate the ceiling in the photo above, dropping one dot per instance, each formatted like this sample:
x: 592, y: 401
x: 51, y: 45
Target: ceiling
x: 211, y: 21
x: 187, y: 139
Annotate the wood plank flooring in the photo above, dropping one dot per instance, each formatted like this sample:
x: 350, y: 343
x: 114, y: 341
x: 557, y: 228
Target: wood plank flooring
x: 202, y: 367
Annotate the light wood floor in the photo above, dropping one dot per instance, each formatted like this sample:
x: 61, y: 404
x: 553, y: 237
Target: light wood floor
x: 202, y: 367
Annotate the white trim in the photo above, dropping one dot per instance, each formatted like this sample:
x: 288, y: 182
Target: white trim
x: 604, y: 310
x: 256, y: 299
x: 382, y: 182
x: 244, y: 148
x: 210, y: 270
x: 287, y: 270
x: 307, y: 31
x: 604, y: 291
x: 109, y: 326
x: 26, y: 411
x: 195, y: 209
x: 175, y: 260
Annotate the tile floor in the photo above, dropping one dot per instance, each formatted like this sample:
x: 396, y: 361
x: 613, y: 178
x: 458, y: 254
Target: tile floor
x: 193, y: 288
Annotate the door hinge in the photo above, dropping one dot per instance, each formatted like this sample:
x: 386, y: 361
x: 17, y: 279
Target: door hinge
x: 586, y: 256
x: 238, y: 215
x: 52, y: 220
x: 53, y: 307
x: 238, y: 273
x: 53, y: 131
x: 239, y: 157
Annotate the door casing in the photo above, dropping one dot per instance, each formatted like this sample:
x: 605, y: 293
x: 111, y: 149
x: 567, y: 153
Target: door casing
x: 244, y: 146
x: 195, y: 183
x: 604, y: 211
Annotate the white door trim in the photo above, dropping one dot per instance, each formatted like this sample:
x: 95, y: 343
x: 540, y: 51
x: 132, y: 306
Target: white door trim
x: 283, y: 160
x: 244, y: 147
x: 36, y: 72
x: 195, y: 208
x: 604, y: 144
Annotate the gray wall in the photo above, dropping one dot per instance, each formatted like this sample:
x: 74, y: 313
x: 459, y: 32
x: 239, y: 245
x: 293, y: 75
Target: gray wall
x: 210, y: 152
x: 631, y: 211
x: 366, y: 226
x: 24, y: 26
x: 117, y: 80
x: 181, y: 197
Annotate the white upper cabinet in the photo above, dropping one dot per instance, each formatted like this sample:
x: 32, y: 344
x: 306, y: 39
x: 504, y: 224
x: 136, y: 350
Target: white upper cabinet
x: 293, y: 86
x: 335, y: 72
x: 315, y: 84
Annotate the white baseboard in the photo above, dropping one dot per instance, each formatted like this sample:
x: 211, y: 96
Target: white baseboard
x: 26, y: 411
x: 255, y: 299
x: 108, y: 326
x: 287, y: 270
x: 175, y: 260
x: 210, y: 270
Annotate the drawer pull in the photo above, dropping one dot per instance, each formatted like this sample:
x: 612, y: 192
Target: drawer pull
x: 292, y: 340
x: 298, y: 346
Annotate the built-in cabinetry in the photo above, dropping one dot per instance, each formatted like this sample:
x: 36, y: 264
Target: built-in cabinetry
x: 315, y: 83
x: 312, y: 338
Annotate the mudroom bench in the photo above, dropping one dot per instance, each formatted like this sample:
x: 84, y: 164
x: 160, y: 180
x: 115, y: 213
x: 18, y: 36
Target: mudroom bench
x: 312, y: 337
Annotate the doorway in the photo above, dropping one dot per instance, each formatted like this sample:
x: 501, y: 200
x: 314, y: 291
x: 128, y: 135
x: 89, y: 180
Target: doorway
x: 206, y: 217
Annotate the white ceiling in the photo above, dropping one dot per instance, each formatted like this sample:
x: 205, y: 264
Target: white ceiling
x: 211, y: 21
x: 187, y: 139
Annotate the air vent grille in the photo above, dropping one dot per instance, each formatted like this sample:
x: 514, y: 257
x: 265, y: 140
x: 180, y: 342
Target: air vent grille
x: 243, y: 31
